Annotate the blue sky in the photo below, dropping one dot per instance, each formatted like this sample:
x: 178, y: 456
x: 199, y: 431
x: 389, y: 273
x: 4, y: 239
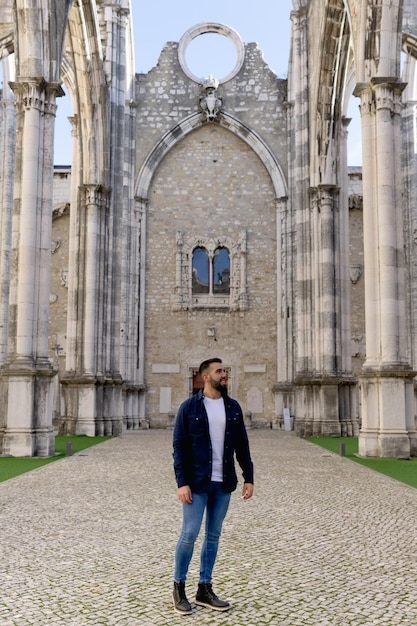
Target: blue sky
x: 156, y: 22
x: 262, y: 21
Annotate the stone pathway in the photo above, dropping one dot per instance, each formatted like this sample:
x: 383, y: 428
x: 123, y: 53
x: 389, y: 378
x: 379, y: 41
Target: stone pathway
x: 89, y: 540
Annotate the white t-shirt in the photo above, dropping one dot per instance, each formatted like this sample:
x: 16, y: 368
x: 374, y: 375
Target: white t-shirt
x: 216, y: 414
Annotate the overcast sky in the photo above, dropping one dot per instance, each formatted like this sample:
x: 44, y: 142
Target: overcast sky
x: 156, y: 22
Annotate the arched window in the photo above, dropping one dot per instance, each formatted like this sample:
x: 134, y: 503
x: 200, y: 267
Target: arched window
x: 200, y: 271
x: 211, y: 272
x: 221, y: 271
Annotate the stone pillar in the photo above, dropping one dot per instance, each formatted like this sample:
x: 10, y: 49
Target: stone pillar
x: 28, y: 372
x: 142, y: 204
x: 300, y: 204
x: 84, y: 383
x: 7, y: 162
x: 243, y: 294
x: 386, y: 377
x: 73, y: 353
x: 409, y: 168
x: 284, y: 389
x: 326, y: 314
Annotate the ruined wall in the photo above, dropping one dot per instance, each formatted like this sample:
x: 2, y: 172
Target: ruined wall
x: 211, y: 185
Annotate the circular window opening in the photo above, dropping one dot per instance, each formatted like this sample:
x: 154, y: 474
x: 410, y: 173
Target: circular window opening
x: 211, y: 53
x: 211, y: 48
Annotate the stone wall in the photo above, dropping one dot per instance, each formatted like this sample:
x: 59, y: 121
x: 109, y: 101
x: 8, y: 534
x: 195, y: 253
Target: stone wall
x: 176, y: 341
x: 211, y: 185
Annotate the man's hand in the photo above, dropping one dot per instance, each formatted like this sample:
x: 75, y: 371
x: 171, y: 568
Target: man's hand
x: 247, y: 491
x: 185, y: 495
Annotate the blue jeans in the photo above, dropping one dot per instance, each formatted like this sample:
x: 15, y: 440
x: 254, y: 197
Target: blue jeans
x: 215, y: 503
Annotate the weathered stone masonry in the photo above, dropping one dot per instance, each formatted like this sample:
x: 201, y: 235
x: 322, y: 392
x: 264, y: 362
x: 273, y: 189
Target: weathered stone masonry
x: 208, y: 217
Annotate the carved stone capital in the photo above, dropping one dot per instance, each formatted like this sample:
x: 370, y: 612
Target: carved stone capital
x: 36, y: 93
x: 96, y: 195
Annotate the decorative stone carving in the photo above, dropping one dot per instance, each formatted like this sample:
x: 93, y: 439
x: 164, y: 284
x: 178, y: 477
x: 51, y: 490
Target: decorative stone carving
x: 55, y: 245
x: 64, y: 278
x: 211, y: 103
x: 355, y: 273
x: 237, y: 300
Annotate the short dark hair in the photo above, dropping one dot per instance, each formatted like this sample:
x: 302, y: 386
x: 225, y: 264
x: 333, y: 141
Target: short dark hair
x: 204, y: 365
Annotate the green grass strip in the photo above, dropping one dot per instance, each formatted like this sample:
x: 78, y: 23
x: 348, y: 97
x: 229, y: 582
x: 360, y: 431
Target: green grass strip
x: 404, y: 470
x: 14, y: 466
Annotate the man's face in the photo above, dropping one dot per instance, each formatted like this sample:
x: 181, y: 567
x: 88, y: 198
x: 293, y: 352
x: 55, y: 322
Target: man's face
x: 217, y: 377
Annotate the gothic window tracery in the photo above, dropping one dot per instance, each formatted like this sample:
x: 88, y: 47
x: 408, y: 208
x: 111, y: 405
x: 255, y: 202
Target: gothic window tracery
x: 210, y: 273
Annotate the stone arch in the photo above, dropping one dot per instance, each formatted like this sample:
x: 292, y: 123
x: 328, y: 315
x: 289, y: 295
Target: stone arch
x: 87, y: 46
x: 333, y: 66
x: 83, y: 73
x: 195, y: 121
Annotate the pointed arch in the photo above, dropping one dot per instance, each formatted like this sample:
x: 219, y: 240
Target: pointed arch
x: 195, y: 121
x: 334, y: 65
x: 83, y: 73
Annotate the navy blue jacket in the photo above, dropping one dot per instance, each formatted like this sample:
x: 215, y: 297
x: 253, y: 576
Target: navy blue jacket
x: 192, y: 446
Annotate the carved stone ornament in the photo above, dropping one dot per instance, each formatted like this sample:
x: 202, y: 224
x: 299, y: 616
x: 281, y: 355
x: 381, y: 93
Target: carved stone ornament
x: 55, y: 245
x: 211, y: 103
x: 64, y: 277
x: 355, y: 273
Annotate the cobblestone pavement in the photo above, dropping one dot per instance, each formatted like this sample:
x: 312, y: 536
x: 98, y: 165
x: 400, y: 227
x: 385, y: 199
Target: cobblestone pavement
x: 90, y: 539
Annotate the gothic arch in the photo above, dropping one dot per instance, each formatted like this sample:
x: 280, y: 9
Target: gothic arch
x: 83, y: 73
x: 330, y: 87
x: 195, y: 121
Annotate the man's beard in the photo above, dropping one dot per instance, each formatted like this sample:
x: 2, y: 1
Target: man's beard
x: 220, y: 385
x: 223, y: 390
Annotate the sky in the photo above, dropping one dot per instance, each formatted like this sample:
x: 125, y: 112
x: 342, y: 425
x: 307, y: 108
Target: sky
x: 266, y: 22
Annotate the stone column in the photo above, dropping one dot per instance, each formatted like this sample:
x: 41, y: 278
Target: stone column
x: 409, y: 168
x: 28, y: 371
x: 243, y: 294
x: 386, y: 375
x: 284, y: 388
x: 73, y: 353
x: 90, y: 417
x: 7, y: 161
x: 299, y: 207
x: 327, y: 276
x: 348, y: 389
x: 142, y: 204
x: 300, y: 202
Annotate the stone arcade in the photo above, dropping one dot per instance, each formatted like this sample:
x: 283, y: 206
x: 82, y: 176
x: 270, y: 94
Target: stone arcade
x: 208, y: 217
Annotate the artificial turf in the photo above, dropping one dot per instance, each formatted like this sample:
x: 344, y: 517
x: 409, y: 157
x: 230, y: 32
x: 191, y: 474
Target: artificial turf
x: 13, y: 466
x: 404, y: 470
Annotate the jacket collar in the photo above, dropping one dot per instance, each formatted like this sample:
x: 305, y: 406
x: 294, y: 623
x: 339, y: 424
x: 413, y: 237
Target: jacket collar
x: 200, y: 397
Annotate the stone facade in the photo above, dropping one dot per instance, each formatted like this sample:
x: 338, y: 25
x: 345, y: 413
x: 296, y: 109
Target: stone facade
x: 211, y: 186
x: 194, y: 333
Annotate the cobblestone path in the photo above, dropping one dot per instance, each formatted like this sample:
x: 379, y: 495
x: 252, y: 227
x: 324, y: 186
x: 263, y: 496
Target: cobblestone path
x: 89, y: 540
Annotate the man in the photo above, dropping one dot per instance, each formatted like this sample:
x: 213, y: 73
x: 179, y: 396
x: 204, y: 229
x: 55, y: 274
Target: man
x: 209, y: 431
